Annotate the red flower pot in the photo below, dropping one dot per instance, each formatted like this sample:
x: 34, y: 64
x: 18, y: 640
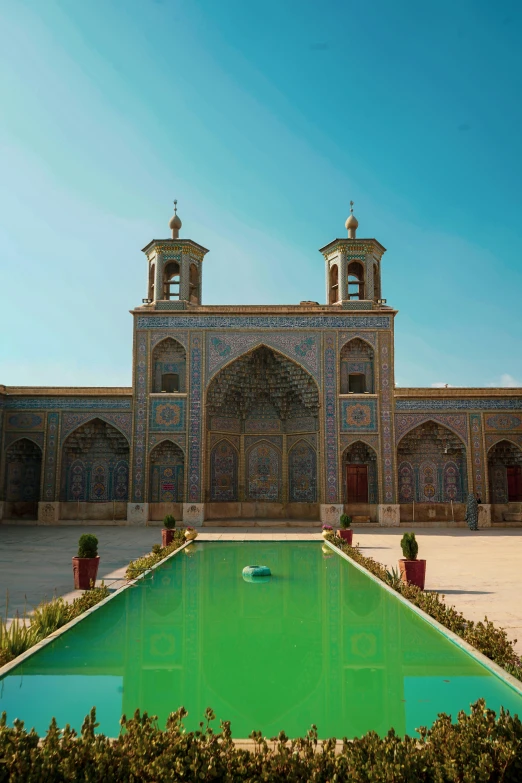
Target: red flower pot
x: 413, y: 572
x: 85, y: 570
x: 346, y: 535
x: 167, y: 536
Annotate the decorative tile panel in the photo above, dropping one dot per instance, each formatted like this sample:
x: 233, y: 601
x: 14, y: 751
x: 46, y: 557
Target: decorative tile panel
x: 68, y: 403
x: 302, y: 473
x: 122, y: 422
x: 157, y: 437
x: 456, y: 422
x: 477, y: 403
x: 25, y: 421
x: 331, y: 429
x: 194, y: 467
x: 180, y: 336
x: 505, y: 422
x: 265, y: 322
x: 223, y: 347
x: 477, y: 454
x: 51, y: 454
x: 358, y: 415
x: 492, y: 438
x: 167, y: 415
x: 386, y: 402
x: 35, y: 437
x: 225, y: 424
x: 263, y: 425
x: 140, y: 423
x: 368, y: 337
x: 370, y: 440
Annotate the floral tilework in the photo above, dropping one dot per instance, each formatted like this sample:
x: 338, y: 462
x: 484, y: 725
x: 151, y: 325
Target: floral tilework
x: 49, y: 476
x: 477, y: 454
x: 194, y: 466
x: 140, y: 422
x: 386, y: 375
x: 457, y: 422
x: 264, y: 322
x: 503, y: 422
x: 68, y: 403
x: 167, y: 415
x: 492, y: 438
x: 358, y: 415
x: 122, y: 421
x: 330, y: 394
x: 369, y: 337
x: 25, y: 421
x: 476, y: 403
x: 302, y: 347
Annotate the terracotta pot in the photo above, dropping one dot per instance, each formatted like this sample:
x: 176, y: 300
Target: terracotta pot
x: 346, y: 534
x: 85, y: 570
x: 413, y: 572
x: 167, y: 536
x: 190, y: 535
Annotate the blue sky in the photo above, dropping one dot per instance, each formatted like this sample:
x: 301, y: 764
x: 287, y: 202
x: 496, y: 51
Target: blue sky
x: 264, y: 119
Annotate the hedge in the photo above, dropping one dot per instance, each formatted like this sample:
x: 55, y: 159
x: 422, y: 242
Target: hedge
x: 142, y: 564
x: 478, y: 748
x: 484, y: 636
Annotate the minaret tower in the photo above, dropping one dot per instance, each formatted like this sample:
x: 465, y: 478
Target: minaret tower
x: 353, y: 270
x: 174, y: 270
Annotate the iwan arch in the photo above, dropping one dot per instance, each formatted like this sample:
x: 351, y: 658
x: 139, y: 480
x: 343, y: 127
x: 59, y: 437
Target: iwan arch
x: 261, y: 412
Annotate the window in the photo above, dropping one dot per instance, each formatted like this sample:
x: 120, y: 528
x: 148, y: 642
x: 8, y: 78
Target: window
x: 355, y: 280
x: 194, y: 284
x: 170, y: 382
x: 356, y: 383
x: 334, y: 284
x: 171, y: 281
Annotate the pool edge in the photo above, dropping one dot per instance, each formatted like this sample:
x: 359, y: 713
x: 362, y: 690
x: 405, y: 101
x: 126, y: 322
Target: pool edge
x: 67, y: 627
x: 495, y: 669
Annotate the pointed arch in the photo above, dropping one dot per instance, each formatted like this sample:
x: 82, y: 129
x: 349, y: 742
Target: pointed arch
x: 505, y: 471
x: 333, y: 284
x: 166, y: 472
x: 431, y: 459
x: 68, y: 428
x: 169, y: 366
x: 360, y: 473
x: 224, y: 465
x: 90, y: 455
x: 263, y: 463
x: 412, y: 422
x: 357, y: 367
x: 302, y: 473
x: 23, y: 476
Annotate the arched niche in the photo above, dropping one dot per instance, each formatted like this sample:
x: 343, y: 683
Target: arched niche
x: 166, y: 469
x: 224, y: 464
x: 302, y: 473
x: 334, y: 284
x: 194, y: 295
x: 169, y: 367
x: 171, y: 281
x: 376, y: 283
x: 356, y: 287
x: 360, y: 475
x: 505, y: 472
x: 23, y: 478
x: 357, y: 367
x: 431, y: 465
x: 152, y: 273
x: 264, y: 473
x: 95, y: 464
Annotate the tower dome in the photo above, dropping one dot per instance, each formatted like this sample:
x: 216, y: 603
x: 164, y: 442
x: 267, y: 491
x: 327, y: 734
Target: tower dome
x: 351, y: 223
x: 175, y: 222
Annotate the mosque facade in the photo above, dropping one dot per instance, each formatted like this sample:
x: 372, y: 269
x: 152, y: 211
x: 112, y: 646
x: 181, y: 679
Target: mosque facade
x: 280, y: 412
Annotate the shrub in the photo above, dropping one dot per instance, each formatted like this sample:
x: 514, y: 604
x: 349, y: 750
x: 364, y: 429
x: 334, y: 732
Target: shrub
x: 142, y: 564
x: 169, y: 522
x: 156, y: 549
x: 409, y: 546
x: 49, y: 616
x: 86, y: 601
x: 478, y: 747
x: 484, y: 636
x: 88, y: 546
x: 345, y: 521
x: 16, y: 638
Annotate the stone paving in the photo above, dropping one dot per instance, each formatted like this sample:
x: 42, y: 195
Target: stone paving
x: 479, y: 572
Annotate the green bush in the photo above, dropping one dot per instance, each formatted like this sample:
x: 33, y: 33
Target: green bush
x: 478, y: 748
x: 345, y: 521
x: 169, y: 522
x: 156, y: 549
x: 484, y: 636
x: 409, y: 546
x: 15, y: 639
x: 142, y: 564
x: 49, y: 616
x: 88, y: 546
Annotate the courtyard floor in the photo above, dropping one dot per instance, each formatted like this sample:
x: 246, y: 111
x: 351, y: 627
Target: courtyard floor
x: 479, y: 572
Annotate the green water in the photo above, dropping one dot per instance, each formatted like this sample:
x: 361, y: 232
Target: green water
x: 319, y: 642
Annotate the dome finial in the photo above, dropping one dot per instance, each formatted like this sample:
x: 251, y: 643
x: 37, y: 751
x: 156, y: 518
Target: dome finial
x: 175, y: 222
x: 352, y: 223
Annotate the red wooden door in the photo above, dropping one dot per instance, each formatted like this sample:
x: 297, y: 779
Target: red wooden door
x: 357, y: 483
x: 514, y: 480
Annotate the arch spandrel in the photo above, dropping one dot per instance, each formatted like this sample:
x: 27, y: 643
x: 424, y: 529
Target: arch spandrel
x: 456, y: 423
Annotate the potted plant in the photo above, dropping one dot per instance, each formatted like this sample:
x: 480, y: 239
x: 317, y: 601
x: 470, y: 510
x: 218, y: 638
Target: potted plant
x: 345, y: 533
x: 167, y: 534
x: 327, y: 531
x: 85, y: 564
x: 413, y: 571
x: 191, y: 534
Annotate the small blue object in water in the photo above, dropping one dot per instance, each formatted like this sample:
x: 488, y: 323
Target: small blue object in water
x: 256, y: 573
